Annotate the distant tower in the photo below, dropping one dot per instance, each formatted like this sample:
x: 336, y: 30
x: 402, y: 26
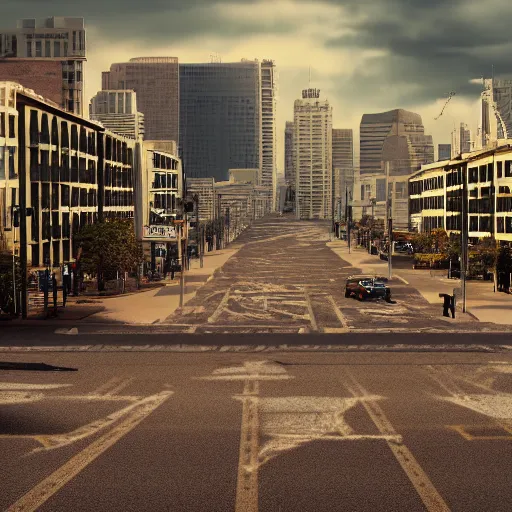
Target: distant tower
x: 313, y: 156
x: 156, y: 82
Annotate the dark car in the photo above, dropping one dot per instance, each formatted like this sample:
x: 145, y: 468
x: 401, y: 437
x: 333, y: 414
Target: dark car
x: 367, y: 287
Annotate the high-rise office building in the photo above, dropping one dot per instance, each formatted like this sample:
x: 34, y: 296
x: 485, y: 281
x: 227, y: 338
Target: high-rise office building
x: 156, y: 82
x: 496, y: 119
x: 117, y: 111
x: 47, y: 55
x: 221, y: 118
x: 461, y: 140
x: 342, y: 167
x: 376, y: 128
x: 268, y: 128
x: 444, y: 151
x: 289, y: 169
x: 313, y: 156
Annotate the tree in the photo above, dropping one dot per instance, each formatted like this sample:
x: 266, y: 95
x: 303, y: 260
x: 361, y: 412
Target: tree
x: 6, y: 281
x: 422, y: 242
x: 484, y: 257
x: 109, y: 247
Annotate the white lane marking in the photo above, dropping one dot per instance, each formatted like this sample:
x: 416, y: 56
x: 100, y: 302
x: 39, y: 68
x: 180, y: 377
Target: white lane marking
x: 247, y: 479
x: 216, y: 314
x: 70, y: 332
x: 431, y: 498
x: 339, y: 314
x: 53, y: 441
x: 25, y: 387
x: 312, y: 319
x: 19, y: 397
x: 39, y: 494
x: 495, y: 406
x: 103, y: 388
x: 123, y: 384
x: 16, y: 393
x: 290, y: 422
x: 401, y: 279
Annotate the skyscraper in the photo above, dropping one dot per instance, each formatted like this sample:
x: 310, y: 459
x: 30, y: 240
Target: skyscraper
x: 268, y: 128
x: 342, y: 166
x: 461, y: 140
x: 117, y: 111
x: 221, y: 119
x: 313, y: 156
x: 444, y: 151
x: 289, y: 163
x: 376, y: 128
x: 496, y: 118
x: 47, y: 55
x: 156, y: 82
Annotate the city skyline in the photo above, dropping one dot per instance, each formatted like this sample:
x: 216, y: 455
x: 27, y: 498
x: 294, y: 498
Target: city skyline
x: 252, y: 31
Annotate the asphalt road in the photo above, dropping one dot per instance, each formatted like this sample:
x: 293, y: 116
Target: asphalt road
x: 285, y: 279
x: 360, y: 431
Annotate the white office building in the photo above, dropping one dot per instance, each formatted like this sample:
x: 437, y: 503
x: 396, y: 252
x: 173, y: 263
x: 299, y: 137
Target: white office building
x: 117, y: 111
x: 313, y: 156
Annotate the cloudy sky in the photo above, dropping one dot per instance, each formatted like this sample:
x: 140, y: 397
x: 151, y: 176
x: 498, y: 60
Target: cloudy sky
x: 365, y: 56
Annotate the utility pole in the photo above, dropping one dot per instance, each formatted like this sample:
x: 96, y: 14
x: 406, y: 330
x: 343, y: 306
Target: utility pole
x: 181, y: 259
x: 347, y: 218
x: 22, y: 167
x: 390, y: 250
x: 464, y: 236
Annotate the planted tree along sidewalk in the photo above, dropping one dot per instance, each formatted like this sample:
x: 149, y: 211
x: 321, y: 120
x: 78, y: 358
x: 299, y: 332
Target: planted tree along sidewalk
x: 109, y: 248
x: 10, y: 282
x: 436, y: 250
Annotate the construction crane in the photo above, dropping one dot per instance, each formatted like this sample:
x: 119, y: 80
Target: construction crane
x: 450, y: 96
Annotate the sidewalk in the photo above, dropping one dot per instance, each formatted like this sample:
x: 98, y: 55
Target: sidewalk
x: 146, y: 307
x: 482, y: 302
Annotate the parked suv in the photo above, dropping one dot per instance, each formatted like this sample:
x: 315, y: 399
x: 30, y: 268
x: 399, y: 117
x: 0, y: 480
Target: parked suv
x: 367, y: 287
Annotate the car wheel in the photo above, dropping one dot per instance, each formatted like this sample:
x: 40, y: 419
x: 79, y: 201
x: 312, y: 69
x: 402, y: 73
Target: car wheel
x: 360, y: 297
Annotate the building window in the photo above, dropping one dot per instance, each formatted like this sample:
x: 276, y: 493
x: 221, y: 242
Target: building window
x: 65, y: 48
x: 508, y: 168
x: 29, y: 48
x: 500, y: 169
x: 508, y: 225
x: 47, y: 48
x: 111, y: 102
x: 39, y: 49
x: 12, y: 127
x: 473, y: 223
x: 45, y: 130
x: 500, y: 224
x: 74, y: 136
x: 56, y: 49
x: 485, y: 223
x: 12, y: 164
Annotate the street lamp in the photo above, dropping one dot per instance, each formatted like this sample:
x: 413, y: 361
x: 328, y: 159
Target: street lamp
x: 373, y: 200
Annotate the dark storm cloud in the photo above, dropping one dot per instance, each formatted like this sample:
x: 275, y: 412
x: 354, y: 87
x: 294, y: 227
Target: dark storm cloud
x: 150, y: 21
x: 431, y: 46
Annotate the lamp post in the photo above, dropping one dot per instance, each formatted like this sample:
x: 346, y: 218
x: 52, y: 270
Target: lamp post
x: 373, y: 200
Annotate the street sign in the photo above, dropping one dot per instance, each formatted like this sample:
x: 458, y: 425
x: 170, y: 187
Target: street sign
x: 159, y: 232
